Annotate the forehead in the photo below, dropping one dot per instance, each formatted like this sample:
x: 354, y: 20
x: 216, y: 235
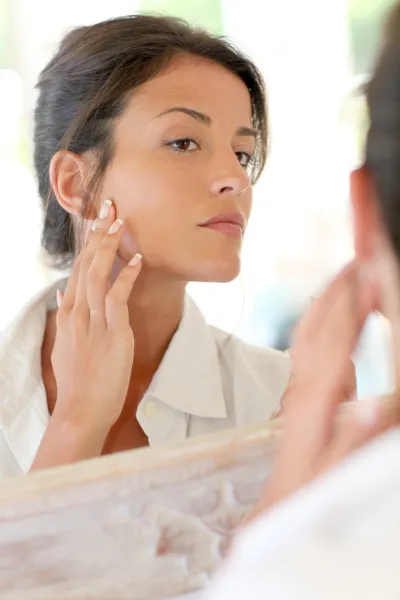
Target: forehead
x: 199, y: 84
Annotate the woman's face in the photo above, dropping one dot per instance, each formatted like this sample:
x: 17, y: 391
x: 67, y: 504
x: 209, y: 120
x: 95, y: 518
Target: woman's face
x: 182, y: 152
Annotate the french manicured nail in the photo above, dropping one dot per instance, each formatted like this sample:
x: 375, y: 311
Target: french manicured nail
x: 59, y: 298
x: 115, y: 226
x: 105, y: 208
x: 135, y: 260
x: 95, y: 222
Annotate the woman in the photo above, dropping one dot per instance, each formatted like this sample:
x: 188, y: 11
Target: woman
x: 338, y: 536
x: 148, y: 138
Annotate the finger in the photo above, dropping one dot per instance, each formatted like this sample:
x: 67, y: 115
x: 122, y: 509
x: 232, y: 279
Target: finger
x: 99, y: 273
x: 355, y: 428
x: 349, y: 386
x: 389, y: 408
x: 106, y: 216
x: 296, y: 330
x: 322, y: 361
x: 330, y: 333
x: 100, y: 228
x: 117, y: 298
x: 70, y: 290
x: 386, y: 272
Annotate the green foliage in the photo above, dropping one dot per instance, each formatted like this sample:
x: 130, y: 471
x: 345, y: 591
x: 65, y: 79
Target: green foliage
x: 366, y: 18
x: 202, y: 13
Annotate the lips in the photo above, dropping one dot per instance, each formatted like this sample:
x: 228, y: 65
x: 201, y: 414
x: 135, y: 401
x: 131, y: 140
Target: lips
x: 229, y: 223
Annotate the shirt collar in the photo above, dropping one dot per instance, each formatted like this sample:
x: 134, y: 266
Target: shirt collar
x: 189, y: 378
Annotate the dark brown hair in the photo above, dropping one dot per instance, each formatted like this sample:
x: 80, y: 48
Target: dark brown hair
x: 383, y: 141
x: 84, y: 88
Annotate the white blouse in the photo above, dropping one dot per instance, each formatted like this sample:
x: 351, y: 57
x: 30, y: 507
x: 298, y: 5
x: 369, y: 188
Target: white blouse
x: 208, y: 380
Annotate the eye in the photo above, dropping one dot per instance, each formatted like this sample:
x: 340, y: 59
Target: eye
x: 245, y: 159
x: 183, y: 145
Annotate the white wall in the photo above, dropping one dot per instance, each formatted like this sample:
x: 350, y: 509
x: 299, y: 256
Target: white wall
x: 38, y: 28
x: 299, y: 231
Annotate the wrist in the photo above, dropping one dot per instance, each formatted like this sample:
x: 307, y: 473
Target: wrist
x: 79, y: 424
x: 66, y: 442
x: 76, y: 440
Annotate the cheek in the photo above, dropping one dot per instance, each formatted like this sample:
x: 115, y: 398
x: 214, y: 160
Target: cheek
x: 136, y: 191
x: 246, y: 204
x: 154, y: 206
x: 154, y: 186
x: 146, y: 187
x: 129, y: 244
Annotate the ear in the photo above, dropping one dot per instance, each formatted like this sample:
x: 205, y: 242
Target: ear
x: 68, y: 176
x: 366, y: 222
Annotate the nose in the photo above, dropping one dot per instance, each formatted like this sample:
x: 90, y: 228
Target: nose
x: 231, y: 179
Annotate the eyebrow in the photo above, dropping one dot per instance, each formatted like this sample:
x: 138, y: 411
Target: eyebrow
x: 199, y: 116
x: 247, y: 132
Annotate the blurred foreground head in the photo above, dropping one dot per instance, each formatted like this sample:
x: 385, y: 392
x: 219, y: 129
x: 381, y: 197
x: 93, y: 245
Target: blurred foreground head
x: 376, y: 186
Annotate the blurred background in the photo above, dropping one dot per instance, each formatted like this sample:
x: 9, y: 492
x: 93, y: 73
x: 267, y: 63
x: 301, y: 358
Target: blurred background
x: 314, y: 56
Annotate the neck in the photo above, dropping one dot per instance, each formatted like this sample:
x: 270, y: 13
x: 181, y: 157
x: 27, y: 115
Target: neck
x: 155, y: 311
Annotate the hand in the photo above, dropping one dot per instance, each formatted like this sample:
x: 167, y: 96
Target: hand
x: 314, y: 439
x: 349, y: 383
x: 94, y: 345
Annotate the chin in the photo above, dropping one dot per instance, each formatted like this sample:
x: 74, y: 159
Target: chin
x: 218, y: 271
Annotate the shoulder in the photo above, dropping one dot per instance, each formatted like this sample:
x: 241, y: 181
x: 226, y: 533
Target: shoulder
x: 26, y: 326
x: 24, y: 412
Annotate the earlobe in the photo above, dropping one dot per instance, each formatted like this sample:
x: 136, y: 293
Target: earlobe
x: 68, y: 172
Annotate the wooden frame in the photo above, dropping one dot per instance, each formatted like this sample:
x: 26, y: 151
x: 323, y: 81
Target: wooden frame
x: 139, y: 525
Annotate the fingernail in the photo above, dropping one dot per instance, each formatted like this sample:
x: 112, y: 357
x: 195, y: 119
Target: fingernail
x: 59, y: 298
x: 366, y: 411
x: 115, y: 226
x: 105, y: 208
x: 135, y: 260
x: 94, y: 225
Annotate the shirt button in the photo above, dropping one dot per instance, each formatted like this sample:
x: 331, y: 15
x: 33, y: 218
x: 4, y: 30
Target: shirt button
x: 151, y: 409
